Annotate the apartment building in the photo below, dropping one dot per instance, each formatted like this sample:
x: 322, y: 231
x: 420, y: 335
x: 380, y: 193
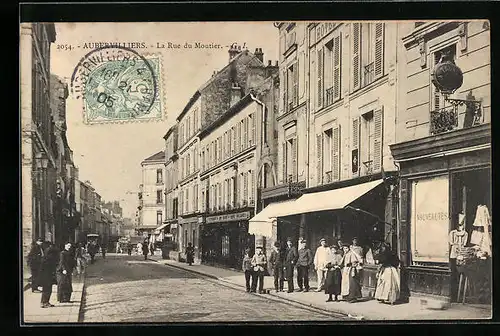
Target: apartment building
x: 443, y: 151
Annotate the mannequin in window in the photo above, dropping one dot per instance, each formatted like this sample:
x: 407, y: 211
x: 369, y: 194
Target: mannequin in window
x: 458, y: 237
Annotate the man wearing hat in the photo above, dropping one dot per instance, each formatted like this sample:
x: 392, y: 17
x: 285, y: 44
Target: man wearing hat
x: 321, y: 259
x: 291, y: 257
x: 259, y: 262
x: 304, y: 261
x: 35, y: 257
x: 276, y: 263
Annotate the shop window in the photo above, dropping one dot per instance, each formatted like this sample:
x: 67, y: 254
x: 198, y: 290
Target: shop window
x: 225, y: 246
x: 430, y: 221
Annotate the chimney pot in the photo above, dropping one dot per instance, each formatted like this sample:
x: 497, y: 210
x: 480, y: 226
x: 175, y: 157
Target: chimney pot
x: 276, y: 63
x: 269, y: 63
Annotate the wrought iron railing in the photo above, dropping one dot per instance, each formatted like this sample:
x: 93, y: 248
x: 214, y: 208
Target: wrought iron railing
x: 368, y: 74
x: 327, y: 178
x: 329, y: 96
x: 447, y: 118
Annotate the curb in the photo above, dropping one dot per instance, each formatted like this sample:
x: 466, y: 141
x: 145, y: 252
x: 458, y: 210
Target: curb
x: 270, y: 294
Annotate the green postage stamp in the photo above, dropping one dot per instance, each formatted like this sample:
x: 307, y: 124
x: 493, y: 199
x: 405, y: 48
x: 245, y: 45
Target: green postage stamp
x: 117, y: 84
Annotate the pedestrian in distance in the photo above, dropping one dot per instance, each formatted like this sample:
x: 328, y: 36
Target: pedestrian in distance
x: 80, y: 259
x: 152, y: 249
x: 290, y: 261
x: 64, y: 271
x: 259, y: 262
x: 277, y: 267
x: 247, y: 268
x: 103, y: 251
x: 139, y: 248
x: 47, y: 273
x: 92, y: 250
x: 145, y: 250
x: 304, y: 262
x: 321, y: 258
x: 190, y: 254
x: 129, y: 249
x: 333, y: 279
x: 35, y: 257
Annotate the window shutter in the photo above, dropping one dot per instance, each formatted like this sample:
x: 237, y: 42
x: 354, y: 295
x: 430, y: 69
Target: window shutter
x: 379, y: 49
x: 336, y: 67
x: 252, y: 129
x: 356, y: 55
x: 320, y: 77
x: 238, y: 138
x: 378, y: 119
x: 336, y: 154
x: 436, y: 93
x: 285, y: 91
x: 319, y: 157
x: 245, y: 187
x: 245, y: 123
x: 220, y: 149
x: 296, y: 84
x: 252, y: 185
x: 355, y: 146
x: 294, y: 158
x: 284, y: 158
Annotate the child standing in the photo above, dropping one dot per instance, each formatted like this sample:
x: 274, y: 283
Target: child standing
x: 247, y: 268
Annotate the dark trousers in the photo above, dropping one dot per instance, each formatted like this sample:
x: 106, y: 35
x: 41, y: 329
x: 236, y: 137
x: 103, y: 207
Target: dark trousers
x: 279, y: 281
x: 248, y: 276
x: 257, y: 276
x: 145, y: 257
x: 47, y: 290
x: 35, y: 277
x: 303, y: 277
x: 289, y: 277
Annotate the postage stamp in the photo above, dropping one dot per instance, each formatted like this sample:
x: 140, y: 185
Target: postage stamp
x: 117, y: 84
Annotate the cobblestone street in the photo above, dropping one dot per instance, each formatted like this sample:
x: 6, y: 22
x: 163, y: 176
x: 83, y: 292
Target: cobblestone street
x: 124, y: 288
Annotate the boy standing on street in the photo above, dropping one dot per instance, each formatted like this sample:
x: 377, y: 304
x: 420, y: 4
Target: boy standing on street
x: 247, y: 268
x: 259, y: 262
x: 276, y: 263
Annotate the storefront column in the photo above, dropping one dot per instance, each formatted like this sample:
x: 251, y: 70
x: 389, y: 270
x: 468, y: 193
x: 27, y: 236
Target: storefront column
x: 302, y: 225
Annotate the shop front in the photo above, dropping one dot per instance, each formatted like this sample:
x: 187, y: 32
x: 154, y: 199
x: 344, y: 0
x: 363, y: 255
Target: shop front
x: 225, y: 238
x: 445, y: 223
x: 188, y: 232
x: 361, y: 208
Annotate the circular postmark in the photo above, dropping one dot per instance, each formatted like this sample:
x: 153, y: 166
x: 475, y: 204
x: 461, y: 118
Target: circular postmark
x: 115, y: 83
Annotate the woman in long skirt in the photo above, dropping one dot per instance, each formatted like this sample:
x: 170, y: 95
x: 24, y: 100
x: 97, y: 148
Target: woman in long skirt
x: 333, y: 275
x: 64, y: 270
x: 388, y: 277
x: 351, y: 277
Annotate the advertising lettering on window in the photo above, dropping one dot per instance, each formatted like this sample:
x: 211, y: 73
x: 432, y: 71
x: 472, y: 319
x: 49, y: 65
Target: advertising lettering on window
x: 430, y: 220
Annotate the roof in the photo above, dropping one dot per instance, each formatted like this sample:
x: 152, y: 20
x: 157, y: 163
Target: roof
x: 160, y: 156
x: 241, y: 104
x: 197, y: 94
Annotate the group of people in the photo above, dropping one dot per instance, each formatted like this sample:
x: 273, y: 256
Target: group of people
x: 145, y: 248
x: 50, y: 265
x: 338, y: 268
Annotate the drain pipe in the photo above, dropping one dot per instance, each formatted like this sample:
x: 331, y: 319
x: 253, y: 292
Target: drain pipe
x: 263, y: 106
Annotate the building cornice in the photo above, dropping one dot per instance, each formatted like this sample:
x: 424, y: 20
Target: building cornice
x: 427, y: 31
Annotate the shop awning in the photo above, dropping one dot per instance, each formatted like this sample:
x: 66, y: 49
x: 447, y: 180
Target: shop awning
x: 261, y: 224
x: 330, y: 199
x: 159, y: 228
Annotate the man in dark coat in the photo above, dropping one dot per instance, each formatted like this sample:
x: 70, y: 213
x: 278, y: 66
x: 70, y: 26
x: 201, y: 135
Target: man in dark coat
x: 291, y: 257
x: 190, y: 254
x: 64, y: 271
x: 47, y: 273
x: 276, y: 263
x: 304, y: 262
x: 145, y: 250
x: 35, y: 262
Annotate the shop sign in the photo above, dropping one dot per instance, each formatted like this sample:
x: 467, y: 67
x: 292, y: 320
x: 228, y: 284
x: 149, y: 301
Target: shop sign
x: 323, y: 29
x: 173, y: 226
x: 229, y: 217
x: 431, y: 219
x: 192, y: 220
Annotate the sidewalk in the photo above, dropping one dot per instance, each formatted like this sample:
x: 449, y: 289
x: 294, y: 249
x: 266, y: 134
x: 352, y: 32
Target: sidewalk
x: 61, y: 313
x: 365, y: 310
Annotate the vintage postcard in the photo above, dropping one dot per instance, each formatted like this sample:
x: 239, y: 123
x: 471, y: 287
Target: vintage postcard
x: 255, y: 171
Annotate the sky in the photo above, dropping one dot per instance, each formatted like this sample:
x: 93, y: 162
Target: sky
x: 109, y: 155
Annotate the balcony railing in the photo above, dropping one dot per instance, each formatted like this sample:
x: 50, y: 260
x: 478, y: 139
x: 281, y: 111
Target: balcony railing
x: 329, y: 96
x: 368, y: 167
x: 327, y: 178
x: 449, y: 118
x: 368, y: 74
